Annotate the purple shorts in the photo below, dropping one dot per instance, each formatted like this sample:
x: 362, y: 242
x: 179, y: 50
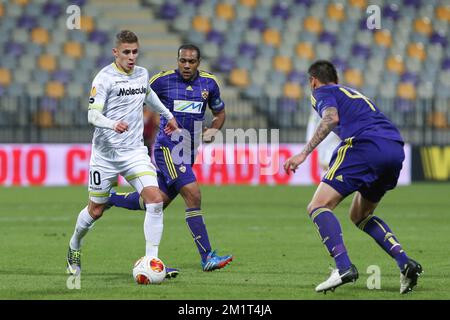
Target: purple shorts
x: 172, y: 175
x: 370, y: 165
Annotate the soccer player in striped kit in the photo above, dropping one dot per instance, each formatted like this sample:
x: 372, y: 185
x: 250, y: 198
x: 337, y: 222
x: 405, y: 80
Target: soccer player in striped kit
x: 367, y: 161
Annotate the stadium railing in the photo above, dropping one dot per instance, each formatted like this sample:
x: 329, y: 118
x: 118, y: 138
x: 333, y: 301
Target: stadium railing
x: 27, y: 119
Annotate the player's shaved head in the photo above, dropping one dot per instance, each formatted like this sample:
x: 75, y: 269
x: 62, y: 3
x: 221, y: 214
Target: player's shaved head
x: 188, y: 61
x: 189, y: 47
x: 126, y: 36
x: 324, y: 71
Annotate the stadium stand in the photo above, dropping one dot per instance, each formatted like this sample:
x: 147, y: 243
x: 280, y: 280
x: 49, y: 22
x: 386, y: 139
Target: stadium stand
x: 391, y: 65
x: 260, y: 51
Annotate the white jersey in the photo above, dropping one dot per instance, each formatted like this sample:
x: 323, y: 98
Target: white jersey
x: 120, y: 96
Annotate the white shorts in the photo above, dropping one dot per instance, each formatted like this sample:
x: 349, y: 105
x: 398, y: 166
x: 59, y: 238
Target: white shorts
x: 107, y: 164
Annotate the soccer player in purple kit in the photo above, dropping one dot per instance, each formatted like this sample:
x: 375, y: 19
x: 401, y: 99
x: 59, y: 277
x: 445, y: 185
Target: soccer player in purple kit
x: 186, y: 92
x: 367, y: 161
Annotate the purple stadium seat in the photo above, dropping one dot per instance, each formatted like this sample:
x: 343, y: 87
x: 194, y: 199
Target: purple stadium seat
x: 409, y: 77
x: 288, y: 105
x: 297, y: 76
x: 103, y: 61
x: 247, y: 49
x: 168, y: 11
x: 328, y: 37
x: 99, y: 37
x: 363, y: 24
x: 51, y: 9
x: 446, y: 63
x: 257, y: 23
x: 404, y: 105
x: 48, y: 103
x: 26, y: 22
x: 224, y: 64
x: 194, y: 2
x: 304, y: 2
x: 79, y: 3
x: 15, y: 49
x: 215, y: 37
x: 280, y: 10
x: 391, y: 11
x: 414, y: 3
x: 361, y: 51
x: 61, y: 76
x: 440, y: 38
x: 340, y: 64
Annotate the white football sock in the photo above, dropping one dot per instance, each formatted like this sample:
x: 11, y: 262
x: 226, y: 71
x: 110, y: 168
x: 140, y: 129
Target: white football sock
x: 153, y: 228
x: 84, y: 223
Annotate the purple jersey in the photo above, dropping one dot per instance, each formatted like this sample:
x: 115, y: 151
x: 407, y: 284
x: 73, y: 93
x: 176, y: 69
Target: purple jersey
x: 187, y: 100
x: 358, y: 116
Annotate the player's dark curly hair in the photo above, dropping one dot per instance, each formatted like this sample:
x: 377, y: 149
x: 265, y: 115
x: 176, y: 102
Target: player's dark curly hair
x: 126, y: 36
x: 323, y: 70
x: 189, y: 47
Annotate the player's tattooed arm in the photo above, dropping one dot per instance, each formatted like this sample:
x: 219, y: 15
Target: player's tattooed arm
x: 330, y: 120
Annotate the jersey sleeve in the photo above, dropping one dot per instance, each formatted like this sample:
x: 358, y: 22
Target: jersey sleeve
x: 153, y: 101
x: 99, y: 93
x: 215, y: 102
x: 323, y: 99
x: 155, y: 83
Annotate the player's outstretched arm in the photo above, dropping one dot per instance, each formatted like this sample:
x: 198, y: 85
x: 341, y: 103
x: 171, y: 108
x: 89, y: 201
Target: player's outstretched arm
x: 330, y: 120
x: 97, y: 119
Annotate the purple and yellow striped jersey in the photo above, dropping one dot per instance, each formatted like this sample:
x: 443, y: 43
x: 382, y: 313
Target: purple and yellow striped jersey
x: 187, y: 100
x: 358, y: 116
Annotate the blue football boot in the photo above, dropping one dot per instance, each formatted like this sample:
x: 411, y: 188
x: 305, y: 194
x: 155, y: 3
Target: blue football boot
x: 213, y: 261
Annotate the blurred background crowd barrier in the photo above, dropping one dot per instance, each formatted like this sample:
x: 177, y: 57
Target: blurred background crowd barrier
x: 259, y: 50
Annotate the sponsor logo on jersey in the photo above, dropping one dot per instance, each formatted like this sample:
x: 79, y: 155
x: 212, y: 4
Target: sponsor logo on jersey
x: 131, y: 91
x: 182, y: 169
x: 187, y: 106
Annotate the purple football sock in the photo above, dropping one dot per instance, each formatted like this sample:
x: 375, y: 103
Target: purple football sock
x: 194, y: 220
x: 131, y: 201
x: 380, y: 231
x: 331, y: 235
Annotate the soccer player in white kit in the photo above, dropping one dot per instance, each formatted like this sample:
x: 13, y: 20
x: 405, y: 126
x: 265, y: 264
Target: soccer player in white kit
x: 116, y: 102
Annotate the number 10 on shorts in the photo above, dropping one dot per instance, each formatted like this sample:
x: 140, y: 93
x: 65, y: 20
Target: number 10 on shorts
x: 94, y: 178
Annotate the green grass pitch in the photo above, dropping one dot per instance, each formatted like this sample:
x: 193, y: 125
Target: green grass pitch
x: 277, y: 251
